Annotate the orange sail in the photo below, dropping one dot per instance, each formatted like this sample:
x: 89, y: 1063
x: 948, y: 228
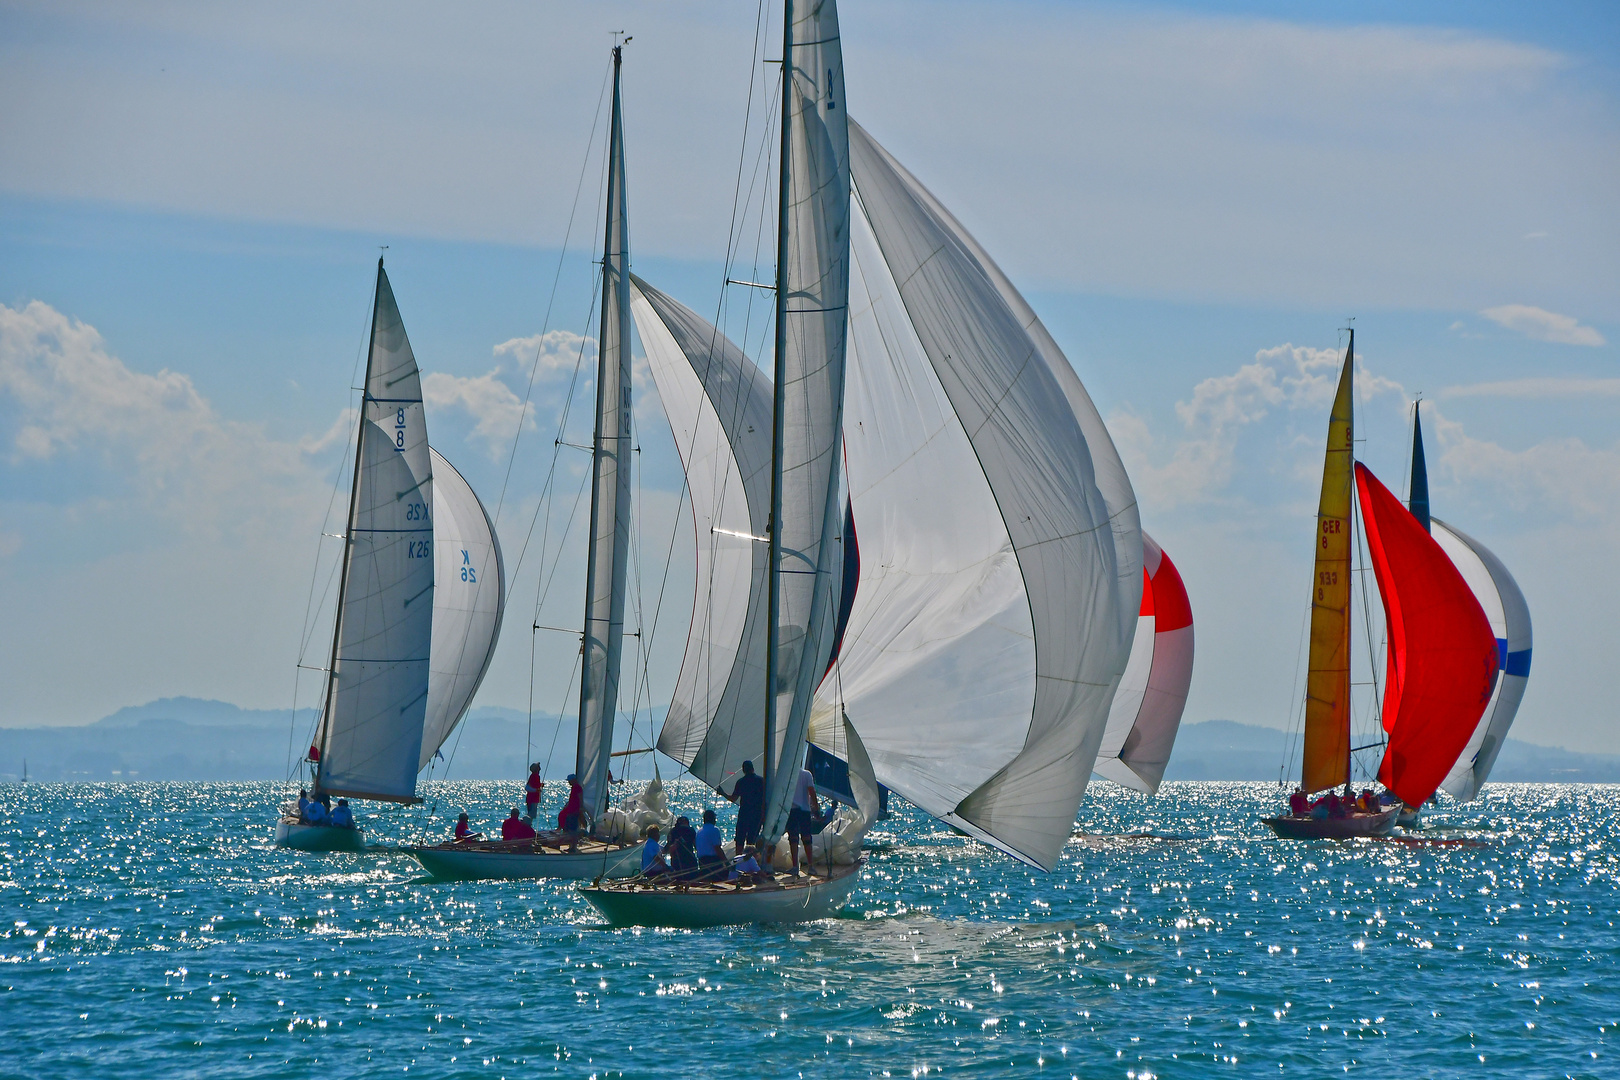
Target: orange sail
x: 1327, y: 688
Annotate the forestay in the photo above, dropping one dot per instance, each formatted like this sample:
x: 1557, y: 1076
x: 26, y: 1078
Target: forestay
x: 812, y: 296
x: 469, y: 598
x: 1001, y: 563
x: 1509, y: 617
x: 718, y: 403
x: 371, y: 735
x: 1146, y: 713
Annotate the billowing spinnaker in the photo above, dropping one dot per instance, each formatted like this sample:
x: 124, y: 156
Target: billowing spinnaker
x: 1509, y: 616
x: 469, y: 597
x: 371, y: 736
x: 608, y: 554
x: 812, y: 319
x: 1326, y: 760
x: 718, y: 403
x: 1441, y: 664
x: 1064, y: 510
x: 1147, y: 709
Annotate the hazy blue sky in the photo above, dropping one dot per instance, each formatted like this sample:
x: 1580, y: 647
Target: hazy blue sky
x: 1194, y: 197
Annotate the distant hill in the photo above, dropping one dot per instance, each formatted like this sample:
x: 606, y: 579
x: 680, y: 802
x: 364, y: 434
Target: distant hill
x: 194, y: 739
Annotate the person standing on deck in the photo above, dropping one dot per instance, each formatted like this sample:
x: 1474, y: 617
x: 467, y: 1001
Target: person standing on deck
x: 799, y: 827
x: 569, y: 818
x: 749, y: 795
x: 531, y: 797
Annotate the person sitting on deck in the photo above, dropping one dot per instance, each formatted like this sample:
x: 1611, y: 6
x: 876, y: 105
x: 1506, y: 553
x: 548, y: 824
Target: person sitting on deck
x: 1298, y: 804
x: 303, y: 803
x: 1337, y: 807
x: 464, y: 833
x: 652, y: 859
x: 1319, y: 809
x: 711, y: 860
x: 315, y: 813
x: 749, y: 795
x: 747, y: 871
x: 531, y: 796
x: 1368, y: 803
x: 515, y: 828
x: 681, y: 851
x: 568, y: 818
x: 343, y: 817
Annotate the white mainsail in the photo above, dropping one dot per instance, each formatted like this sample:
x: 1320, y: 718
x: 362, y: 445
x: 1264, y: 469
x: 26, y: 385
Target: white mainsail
x: 1001, y: 553
x: 1146, y: 713
x: 371, y: 732
x: 718, y: 403
x: 469, y: 598
x: 812, y: 307
x: 1509, y: 616
x: 610, y: 491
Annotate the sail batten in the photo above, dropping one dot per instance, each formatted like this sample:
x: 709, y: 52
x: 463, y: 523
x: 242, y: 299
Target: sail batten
x: 371, y: 732
x: 1326, y: 760
x: 609, y: 549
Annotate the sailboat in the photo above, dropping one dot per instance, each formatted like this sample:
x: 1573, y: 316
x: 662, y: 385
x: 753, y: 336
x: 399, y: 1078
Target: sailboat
x: 1441, y: 655
x: 803, y: 558
x: 1509, y: 616
x: 557, y: 853
x: 420, y: 600
x: 1146, y: 713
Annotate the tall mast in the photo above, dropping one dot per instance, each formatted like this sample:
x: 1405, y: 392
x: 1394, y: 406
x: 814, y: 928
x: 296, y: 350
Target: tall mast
x: 773, y: 527
x: 348, y: 533
x: 610, y: 490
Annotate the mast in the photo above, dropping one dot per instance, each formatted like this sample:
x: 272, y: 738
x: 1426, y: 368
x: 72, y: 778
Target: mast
x: 1326, y: 760
x: 610, y: 490
x: 1418, y: 500
x: 779, y: 368
x: 348, y: 535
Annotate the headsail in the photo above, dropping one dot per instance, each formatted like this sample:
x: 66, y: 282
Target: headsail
x: 371, y: 734
x: 718, y: 403
x: 812, y: 308
x: 610, y: 490
x: 469, y: 598
x: 1509, y: 617
x: 1326, y: 760
x: 1441, y: 665
x: 1001, y: 552
x: 1147, y: 709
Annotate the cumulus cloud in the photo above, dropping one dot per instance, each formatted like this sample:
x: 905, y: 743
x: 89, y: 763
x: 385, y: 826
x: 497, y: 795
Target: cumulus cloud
x: 489, y: 399
x: 1540, y: 324
x: 1558, y: 478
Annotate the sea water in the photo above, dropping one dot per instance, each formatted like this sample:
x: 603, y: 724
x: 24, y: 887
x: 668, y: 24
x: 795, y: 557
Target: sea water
x: 152, y: 930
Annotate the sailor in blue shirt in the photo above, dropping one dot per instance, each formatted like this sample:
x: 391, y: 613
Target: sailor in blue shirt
x: 315, y: 813
x: 711, y: 860
x: 343, y: 817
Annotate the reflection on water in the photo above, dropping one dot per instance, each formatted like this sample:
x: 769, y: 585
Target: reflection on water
x: 154, y: 930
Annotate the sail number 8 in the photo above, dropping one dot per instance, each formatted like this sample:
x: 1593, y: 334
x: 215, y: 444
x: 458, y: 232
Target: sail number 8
x: 399, y: 430
x: 1330, y: 526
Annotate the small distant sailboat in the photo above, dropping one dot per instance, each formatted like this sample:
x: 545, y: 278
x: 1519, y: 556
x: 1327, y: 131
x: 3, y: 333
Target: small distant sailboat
x: 420, y: 600
x: 1441, y: 656
x: 1146, y: 713
x: 554, y: 853
x: 803, y: 568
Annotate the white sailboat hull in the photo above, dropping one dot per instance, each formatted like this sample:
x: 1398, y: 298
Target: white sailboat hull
x: 450, y: 862
x: 301, y: 837
x: 698, y: 906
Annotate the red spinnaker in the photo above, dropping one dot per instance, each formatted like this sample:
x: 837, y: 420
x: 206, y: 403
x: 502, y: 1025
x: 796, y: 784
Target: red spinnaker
x: 1442, y: 653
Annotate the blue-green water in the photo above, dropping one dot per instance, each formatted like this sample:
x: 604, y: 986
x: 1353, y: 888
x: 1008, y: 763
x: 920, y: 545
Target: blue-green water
x: 152, y: 930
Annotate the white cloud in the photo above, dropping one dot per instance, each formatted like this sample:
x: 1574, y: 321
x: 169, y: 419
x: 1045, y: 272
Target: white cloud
x: 495, y: 407
x: 1540, y: 324
x: 1537, y: 388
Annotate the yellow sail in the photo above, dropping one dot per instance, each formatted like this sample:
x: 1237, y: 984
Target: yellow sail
x: 1327, y: 687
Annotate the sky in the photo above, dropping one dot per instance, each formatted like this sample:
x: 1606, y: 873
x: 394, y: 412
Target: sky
x: 1195, y: 198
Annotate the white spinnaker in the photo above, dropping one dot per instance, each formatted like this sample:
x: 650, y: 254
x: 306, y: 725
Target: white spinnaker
x: 1146, y: 713
x: 608, y: 555
x: 813, y: 316
x: 371, y: 736
x: 469, y: 598
x: 718, y: 404
x: 1509, y: 617
x: 1062, y: 494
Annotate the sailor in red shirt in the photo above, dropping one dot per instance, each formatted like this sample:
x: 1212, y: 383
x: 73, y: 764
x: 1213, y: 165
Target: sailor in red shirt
x: 515, y: 828
x: 568, y: 819
x: 532, y: 798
